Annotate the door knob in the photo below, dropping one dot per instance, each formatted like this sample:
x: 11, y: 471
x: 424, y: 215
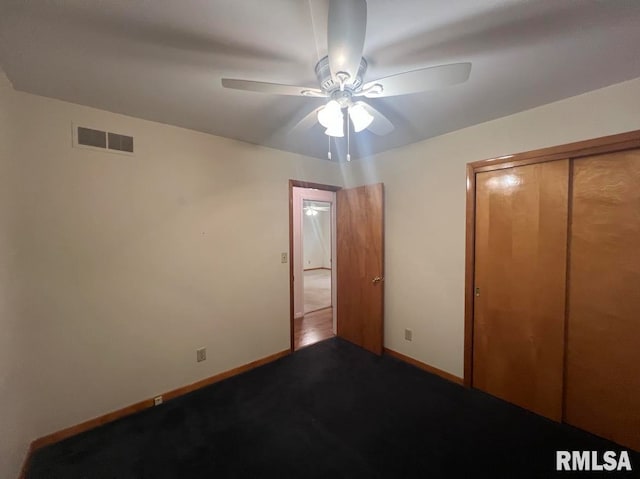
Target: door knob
x: 377, y: 279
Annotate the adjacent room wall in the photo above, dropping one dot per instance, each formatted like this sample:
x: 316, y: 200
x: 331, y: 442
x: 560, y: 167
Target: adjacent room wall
x: 317, y: 240
x: 325, y: 227
x: 120, y: 267
x: 425, y: 185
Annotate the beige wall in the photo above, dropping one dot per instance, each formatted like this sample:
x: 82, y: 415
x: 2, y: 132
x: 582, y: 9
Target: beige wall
x: 15, y: 416
x: 122, y: 266
x: 425, y: 211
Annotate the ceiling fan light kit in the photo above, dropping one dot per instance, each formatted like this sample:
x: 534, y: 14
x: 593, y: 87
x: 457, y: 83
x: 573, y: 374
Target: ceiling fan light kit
x: 330, y: 114
x: 336, y: 129
x: 360, y: 117
x: 341, y: 77
x: 333, y: 120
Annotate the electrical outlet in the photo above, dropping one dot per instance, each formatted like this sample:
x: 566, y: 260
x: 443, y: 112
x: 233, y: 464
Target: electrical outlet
x: 408, y: 334
x: 201, y: 354
x: 283, y: 257
x: 157, y: 400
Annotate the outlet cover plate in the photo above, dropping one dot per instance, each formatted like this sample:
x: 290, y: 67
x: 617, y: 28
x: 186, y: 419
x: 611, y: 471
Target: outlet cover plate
x: 201, y: 354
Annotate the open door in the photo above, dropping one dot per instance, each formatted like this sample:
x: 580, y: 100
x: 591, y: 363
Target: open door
x: 360, y: 265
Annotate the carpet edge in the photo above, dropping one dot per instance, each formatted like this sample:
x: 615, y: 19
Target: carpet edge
x: 424, y: 366
x: 25, y: 463
x: 142, y: 405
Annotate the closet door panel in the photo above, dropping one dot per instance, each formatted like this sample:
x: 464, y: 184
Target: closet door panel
x: 603, y: 328
x: 520, y: 276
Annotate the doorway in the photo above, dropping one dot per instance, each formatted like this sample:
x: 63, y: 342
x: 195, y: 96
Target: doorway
x: 312, y: 261
x: 316, y: 255
x: 356, y: 312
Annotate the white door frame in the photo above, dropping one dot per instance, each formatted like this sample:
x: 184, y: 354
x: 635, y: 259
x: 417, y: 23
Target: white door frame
x: 299, y: 195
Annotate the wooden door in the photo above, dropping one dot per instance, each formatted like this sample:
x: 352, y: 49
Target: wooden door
x: 520, y: 269
x: 360, y: 265
x: 603, y: 328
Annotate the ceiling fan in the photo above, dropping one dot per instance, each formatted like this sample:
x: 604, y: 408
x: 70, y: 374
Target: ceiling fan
x: 313, y: 210
x: 341, y: 77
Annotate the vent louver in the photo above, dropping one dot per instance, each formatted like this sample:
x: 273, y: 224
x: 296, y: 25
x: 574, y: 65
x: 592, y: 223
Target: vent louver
x: 89, y: 137
x: 120, y: 142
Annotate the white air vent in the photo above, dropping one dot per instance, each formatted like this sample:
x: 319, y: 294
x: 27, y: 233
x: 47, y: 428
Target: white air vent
x: 120, y: 142
x: 89, y: 137
x: 85, y: 137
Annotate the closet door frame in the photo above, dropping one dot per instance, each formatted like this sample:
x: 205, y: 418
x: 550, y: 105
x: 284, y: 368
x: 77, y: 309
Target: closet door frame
x: 571, y: 151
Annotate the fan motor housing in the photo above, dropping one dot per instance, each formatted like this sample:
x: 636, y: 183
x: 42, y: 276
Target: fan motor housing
x: 328, y: 83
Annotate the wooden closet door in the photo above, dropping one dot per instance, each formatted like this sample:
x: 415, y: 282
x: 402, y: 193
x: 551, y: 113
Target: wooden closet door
x: 520, y: 271
x: 603, y: 328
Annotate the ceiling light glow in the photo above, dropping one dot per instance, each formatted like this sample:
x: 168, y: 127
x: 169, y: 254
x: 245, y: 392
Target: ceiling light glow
x: 335, y: 130
x: 360, y: 117
x: 331, y: 117
x: 328, y: 115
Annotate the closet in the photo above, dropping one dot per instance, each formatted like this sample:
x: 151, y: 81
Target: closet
x: 553, y: 283
x: 521, y: 251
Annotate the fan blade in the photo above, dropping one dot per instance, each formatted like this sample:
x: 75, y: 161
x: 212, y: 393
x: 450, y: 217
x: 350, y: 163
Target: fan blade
x: 316, y: 207
x: 417, y: 81
x: 345, y: 36
x: 308, y: 121
x: 380, y: 125
x: 274, y: 88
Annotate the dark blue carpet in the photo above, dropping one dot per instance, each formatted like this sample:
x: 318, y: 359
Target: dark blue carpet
x: 331, y: 410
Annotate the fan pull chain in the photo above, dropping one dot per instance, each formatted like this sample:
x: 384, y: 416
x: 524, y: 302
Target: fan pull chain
x: 329, y: 152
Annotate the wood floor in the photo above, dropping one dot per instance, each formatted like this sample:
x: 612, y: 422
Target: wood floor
x: 312, y: 328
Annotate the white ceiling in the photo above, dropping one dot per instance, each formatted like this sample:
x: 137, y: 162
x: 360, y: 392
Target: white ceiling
x: 163, y: 60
